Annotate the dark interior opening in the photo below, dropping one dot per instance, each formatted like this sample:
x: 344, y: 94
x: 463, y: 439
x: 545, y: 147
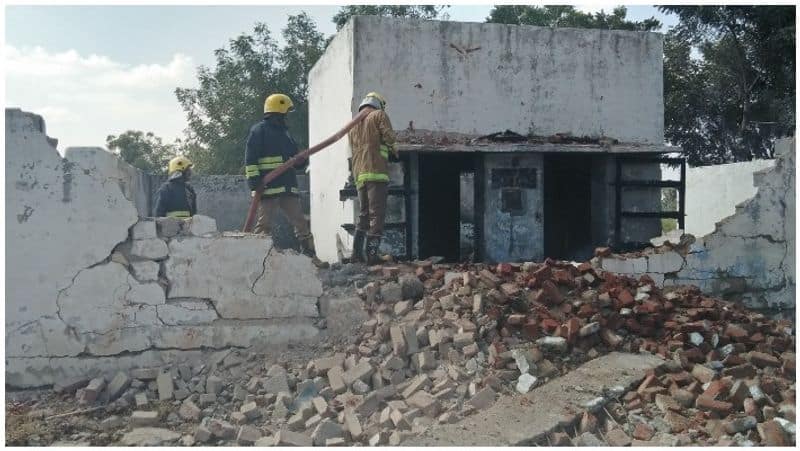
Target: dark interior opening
x: 567, y: 206
x: 445, y: 208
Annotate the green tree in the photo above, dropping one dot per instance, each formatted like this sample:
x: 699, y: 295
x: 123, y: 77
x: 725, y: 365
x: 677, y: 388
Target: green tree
x: 410, y: 11
x: 568, y: 16
x: 141, y: 150
x: 230, y: 97
x: 732, y: 103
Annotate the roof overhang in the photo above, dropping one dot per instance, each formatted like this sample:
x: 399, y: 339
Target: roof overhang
x: 621, y: 148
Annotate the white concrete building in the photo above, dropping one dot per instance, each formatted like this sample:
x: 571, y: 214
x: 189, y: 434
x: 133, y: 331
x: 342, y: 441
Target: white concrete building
x: 448, y: 83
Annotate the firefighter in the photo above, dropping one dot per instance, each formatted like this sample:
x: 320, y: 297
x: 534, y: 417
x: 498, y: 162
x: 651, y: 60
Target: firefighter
x: 176, y: 198
x: 268, y: 146
x: 371, y: 141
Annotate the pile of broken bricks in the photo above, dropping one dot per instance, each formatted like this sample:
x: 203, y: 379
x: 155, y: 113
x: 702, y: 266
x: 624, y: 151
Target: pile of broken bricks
x: 444, y: 341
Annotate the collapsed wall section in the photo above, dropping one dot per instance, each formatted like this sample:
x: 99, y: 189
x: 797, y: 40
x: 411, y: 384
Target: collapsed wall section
x: 92, y: 289
x: 750, y: 256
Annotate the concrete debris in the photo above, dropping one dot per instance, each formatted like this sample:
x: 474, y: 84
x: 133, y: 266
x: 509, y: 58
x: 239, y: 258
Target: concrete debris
x: 438, y: 349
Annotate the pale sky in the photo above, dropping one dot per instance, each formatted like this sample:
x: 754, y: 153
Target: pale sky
x: 92, y: 71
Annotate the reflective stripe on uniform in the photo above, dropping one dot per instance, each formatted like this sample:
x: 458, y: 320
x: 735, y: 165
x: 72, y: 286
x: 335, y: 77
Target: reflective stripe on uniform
x: 270, y: 162
x: 178, y: 214
x: 371, y: 177
x: 278, y: 190
x: 384, y: 151
x: 251, y: 170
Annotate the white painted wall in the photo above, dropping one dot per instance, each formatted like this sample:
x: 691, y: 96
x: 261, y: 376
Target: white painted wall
x: 523, y: 78
x: 712, y: 192
x: 331, y: 103
x: 87, y: 280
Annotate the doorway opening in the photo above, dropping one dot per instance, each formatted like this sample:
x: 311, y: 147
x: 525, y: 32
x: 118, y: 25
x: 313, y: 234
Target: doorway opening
x: 568, y: 206
x: 447, y: 205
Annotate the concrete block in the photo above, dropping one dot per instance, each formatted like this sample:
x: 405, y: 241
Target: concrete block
x: 145, y: 271
x: 199, y: 225
x: 144, y: 418
x: 119, y: 384
x: 165, y: 387
x: 666, y: 262
x: 336, y: 380
x: 144, y: 229
x: 152, y: 249
x: 248, y: 435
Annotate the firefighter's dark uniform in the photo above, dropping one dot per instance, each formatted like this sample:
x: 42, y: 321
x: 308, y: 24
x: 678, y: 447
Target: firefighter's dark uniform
x: 176, y: 198
x: 268, y: 146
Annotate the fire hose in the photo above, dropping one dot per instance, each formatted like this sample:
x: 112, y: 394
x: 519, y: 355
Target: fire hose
x: 275, y: 173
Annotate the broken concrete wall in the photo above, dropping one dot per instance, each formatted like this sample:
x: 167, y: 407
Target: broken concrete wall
x: 137, y: 186
x: 226, y: 198
x: 712, y: 192
x: 331, y: 102
x: 90, y: 287
x: 750, y: 256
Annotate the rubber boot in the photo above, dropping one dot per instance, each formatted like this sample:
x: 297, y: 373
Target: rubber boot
x: 358, y: 247
x: 373, y: 245
x: 307, y: 248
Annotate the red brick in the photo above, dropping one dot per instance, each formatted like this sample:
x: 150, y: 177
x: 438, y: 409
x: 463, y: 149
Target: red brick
x: 681, y: 379
x: 602, y: 252
x: 531, y: 328
x: 584, y: 267
x: 630, y: 396
x: 573, y: 327
x: 625, y: 298
x: 703, y: 373
x: 634, y: 404
x: 721, y: 408
x: 694, y: 355
x: 649, y: 306
x: 676, y: 422
x: 586, y: 311
x: 757, y: 337
x: 648, y: 382
x: 736, y: 332
x: 643, y: 432
x: 772, y: 434
x: 516, y: 319
x: 745, y: 371
x: 504, y: 268
x: 542, y: 273
x: 666, y: 403
x: 763, y: 360
x: 708, y: 303
x: 733, y: 360
x: 510, y: 289
x: 649, y: 393
x: 550, y: 293
x: 750, y: 407
x: 716, y: 390
x: 549, y: 325
x: 738, y: 393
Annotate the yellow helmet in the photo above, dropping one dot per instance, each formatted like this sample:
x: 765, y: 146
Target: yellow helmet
x: 374, y: 100
x: 278, y: 103
x: 179, y: 163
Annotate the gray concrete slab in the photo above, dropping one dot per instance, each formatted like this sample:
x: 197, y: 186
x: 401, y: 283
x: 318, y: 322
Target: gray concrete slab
x: 524, y: 419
